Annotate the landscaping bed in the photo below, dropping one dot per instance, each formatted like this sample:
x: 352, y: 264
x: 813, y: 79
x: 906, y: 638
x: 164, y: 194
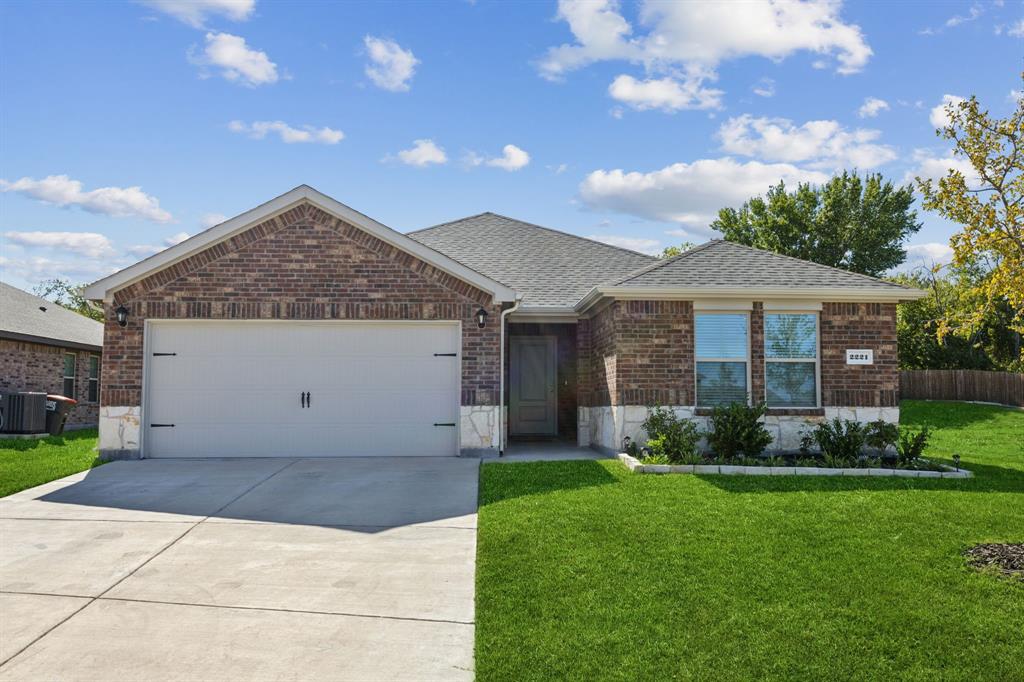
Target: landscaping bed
x: 791, y: 467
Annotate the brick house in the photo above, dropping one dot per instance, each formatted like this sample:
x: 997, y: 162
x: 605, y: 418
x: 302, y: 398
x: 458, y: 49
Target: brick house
x: 304, y: 328
x: 50, y: 349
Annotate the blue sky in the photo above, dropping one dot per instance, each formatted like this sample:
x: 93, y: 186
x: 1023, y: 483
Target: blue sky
x: 126, y: 126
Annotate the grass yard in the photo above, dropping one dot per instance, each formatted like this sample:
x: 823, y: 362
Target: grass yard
x: 588, y: 572
x: 28, y: 463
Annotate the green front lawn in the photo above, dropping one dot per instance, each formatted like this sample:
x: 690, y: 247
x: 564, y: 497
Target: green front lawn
x: 587, y: 572
x: 28, y: 463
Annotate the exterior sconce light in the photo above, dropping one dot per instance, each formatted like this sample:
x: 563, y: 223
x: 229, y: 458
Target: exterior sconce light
x: 481, y: 318
x: 626, y: 441
x: 122, y: 315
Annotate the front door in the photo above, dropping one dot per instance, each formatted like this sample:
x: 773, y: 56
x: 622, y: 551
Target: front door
x: 533, y: 398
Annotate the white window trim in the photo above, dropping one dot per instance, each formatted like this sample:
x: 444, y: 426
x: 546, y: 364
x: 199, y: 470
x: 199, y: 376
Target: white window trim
x: 817, y: 357
x: 697, y: 358
x: 89, y: 379
x: 64, y: 374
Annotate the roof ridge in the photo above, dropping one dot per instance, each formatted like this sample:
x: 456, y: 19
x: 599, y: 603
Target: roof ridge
x: 811, y: 262
x: 662, y: 262
x: 539, y: 227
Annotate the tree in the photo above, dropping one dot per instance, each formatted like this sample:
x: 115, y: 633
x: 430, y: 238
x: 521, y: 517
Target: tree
x: 64, y: 293
x: 672, y: 251
x: 849, y: 222
x: 988, y: 208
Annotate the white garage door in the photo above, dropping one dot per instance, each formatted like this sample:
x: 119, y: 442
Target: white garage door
x: 239, y: 389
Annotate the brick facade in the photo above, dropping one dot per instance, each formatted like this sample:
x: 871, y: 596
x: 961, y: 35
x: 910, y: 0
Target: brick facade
x: 28, y: 366
x: 303, y: 264
x: 642, y: 353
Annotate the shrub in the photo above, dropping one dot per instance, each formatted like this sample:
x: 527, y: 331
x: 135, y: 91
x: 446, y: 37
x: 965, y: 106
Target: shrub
x: 911, y: 445
x: 737, y: 429
x: 669, y: 436
x: 881, y: 435
x: 840, y: 441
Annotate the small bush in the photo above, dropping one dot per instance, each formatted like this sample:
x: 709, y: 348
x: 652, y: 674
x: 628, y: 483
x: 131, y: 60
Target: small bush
x: 736, y: 429
x: 840, y: 441
x: 882, y: 435
x: 669, y: 436
x: 912, y: 445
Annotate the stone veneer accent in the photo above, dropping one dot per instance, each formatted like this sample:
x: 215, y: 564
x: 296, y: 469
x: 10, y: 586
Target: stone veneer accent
x: 26, y: 366
x: 303, y: 264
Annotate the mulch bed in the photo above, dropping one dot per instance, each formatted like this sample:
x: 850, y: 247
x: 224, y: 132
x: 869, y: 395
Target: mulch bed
x: 1008, y: 558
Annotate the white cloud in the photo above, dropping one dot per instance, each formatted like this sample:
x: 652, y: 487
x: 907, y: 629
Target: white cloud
x: 88, y: 244
x: 208, y: 220
x: 559, y: 169
x: 390, y: 67
x: 648, y: 246
x: 938, y: 116
x: 931, y: 253
x: 666, y: 94
x: 307, y: 133
x: 872, y: 107
x: 690, y: 39
x: 764, y: 88
x: 931, y: 167
x: 423, y: 153
x: 119, y: 202
x: 237, y: 61
x: 822, y: 144
x: 512, y: 158
x: 146, y: 250
x: 1016, y: 29
x: 973, y: 13
x: 688, y: 193
x: 33, y: 269
x: 195, y: 12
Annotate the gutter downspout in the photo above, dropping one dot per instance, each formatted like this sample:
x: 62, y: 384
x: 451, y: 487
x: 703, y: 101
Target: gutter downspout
x: 501, y: 374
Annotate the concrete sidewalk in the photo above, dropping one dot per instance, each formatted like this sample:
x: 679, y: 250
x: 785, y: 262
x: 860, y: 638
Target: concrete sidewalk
x: 242, y: 569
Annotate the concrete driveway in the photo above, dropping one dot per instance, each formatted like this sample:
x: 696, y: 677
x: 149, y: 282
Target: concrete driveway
x: 275, y: 569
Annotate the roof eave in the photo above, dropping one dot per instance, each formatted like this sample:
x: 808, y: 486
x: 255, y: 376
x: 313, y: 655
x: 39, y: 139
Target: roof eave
x: 824, y: 294
x: 103, y: 289
x: 49, y: 341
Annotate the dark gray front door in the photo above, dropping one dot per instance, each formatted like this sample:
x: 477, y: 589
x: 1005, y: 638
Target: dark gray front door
x: 533, y: 398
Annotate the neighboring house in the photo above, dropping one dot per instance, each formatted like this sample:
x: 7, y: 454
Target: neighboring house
x: 47, y: 348
x: 304, y: 328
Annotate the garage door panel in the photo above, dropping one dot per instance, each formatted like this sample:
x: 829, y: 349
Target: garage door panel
x: 232, y: 389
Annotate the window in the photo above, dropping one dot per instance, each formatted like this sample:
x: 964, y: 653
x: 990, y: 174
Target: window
x: 722, y: 352
x: 94, y: 379
x: 791, y: 359
x: 69, y: 375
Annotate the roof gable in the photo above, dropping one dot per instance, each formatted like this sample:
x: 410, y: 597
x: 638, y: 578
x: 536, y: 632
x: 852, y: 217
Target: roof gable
x: 551, y: 269
x: 104, y: 288
x: 24, y: 318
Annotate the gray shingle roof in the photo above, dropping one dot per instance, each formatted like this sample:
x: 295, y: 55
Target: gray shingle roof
x: 549, y: 268
x: 719, y: 263
x: 20, y: 316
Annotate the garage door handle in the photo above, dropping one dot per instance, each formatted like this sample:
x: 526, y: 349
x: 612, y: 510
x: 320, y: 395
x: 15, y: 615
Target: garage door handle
x: 308, y: 401
x: 159, y: 426
x: 444, y: 424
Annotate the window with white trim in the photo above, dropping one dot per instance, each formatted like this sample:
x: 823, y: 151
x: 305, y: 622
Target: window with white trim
x: 791, y: 359
x: 722, y: 357
x: 94, y: 379
x: 69, y: 375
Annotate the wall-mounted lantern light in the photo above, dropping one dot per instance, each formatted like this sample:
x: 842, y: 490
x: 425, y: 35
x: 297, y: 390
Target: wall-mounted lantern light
x: 481, y: 318
x: 122, y: 315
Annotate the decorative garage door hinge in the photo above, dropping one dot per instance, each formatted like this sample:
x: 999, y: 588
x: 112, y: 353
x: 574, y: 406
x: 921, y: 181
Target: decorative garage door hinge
x: 445, y: 355
x: 156, y: 355
x: 444, y: 424
x: 159, y: 426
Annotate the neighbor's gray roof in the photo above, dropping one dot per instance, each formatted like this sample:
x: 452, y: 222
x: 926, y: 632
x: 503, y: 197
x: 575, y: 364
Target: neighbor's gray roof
x: 720, y: 263
x: 21, y: 318
x: 549, y: 268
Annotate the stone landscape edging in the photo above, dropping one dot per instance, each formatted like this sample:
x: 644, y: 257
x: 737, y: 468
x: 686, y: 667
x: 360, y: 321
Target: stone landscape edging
x: 636, y: 466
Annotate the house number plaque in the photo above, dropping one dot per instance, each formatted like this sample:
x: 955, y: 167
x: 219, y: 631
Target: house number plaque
x: 860, y: 356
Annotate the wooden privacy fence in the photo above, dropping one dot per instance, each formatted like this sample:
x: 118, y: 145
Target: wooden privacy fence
x: 1005, y: 388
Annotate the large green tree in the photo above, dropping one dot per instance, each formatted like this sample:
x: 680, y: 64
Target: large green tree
x: 64, y: 293
x: 858, y: 224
